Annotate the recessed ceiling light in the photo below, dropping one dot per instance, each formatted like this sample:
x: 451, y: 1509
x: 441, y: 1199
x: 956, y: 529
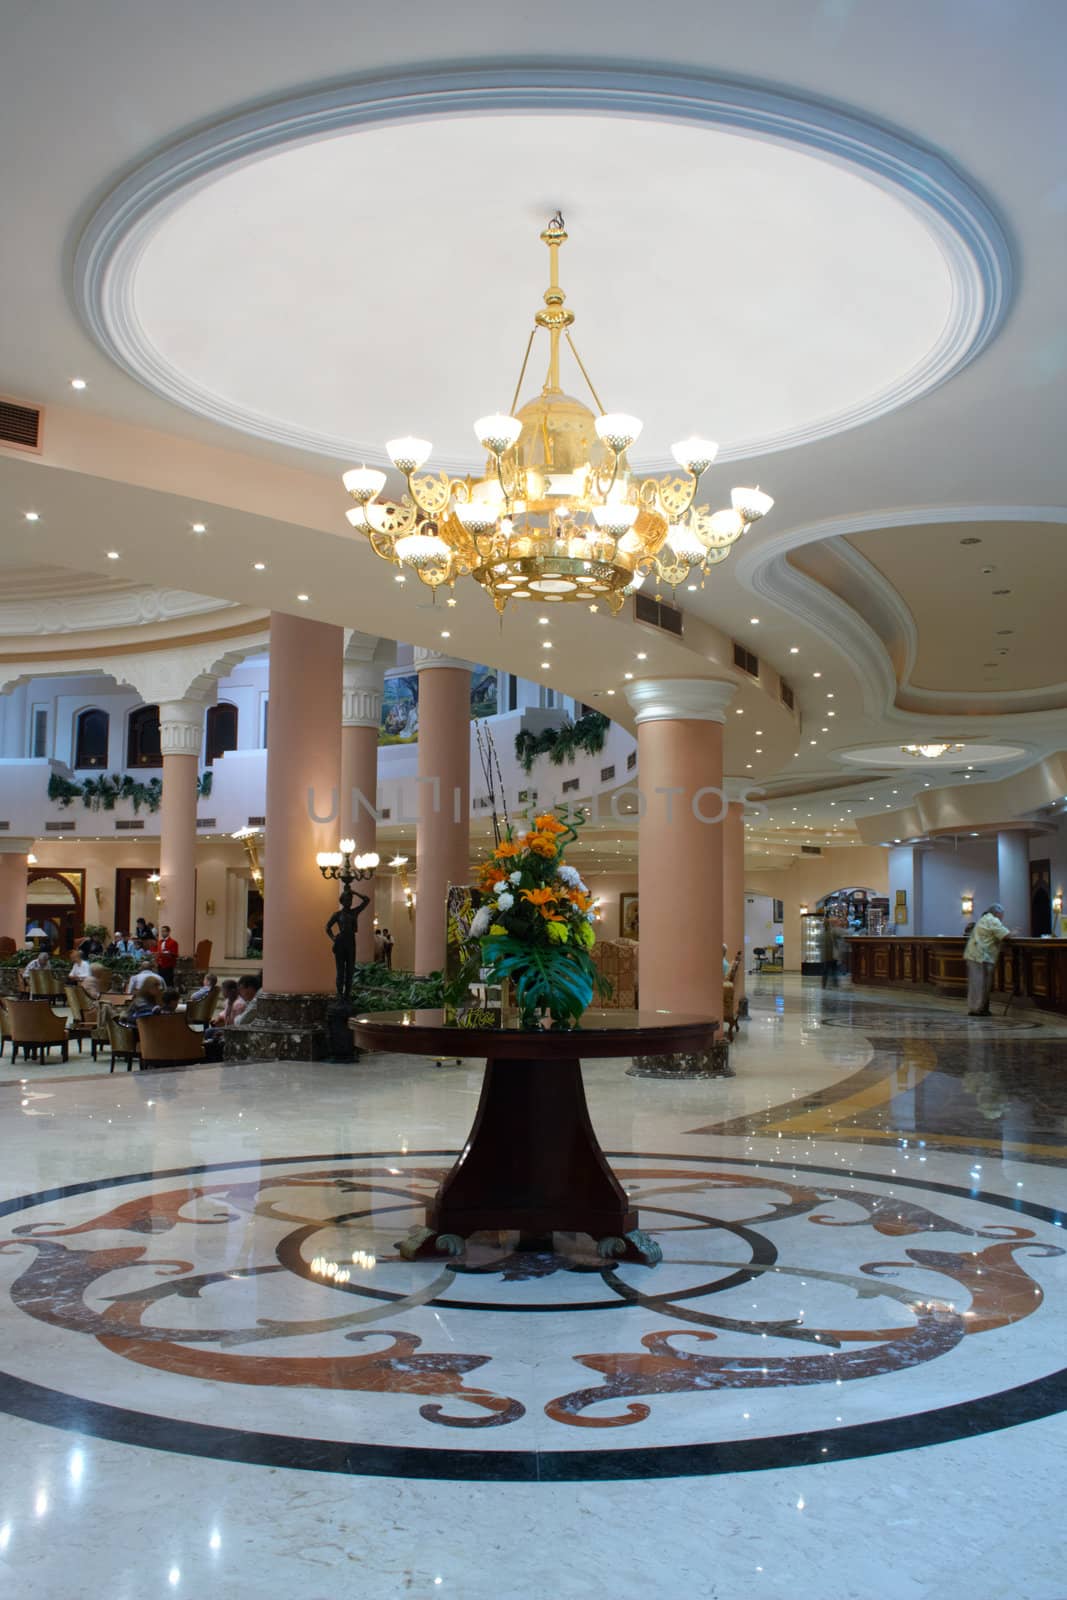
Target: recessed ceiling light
x: 112, y: 555
x: 627, y: 674
x: 759, y: 752
x: 543, y: 621
x: 739, y: 712
x: 691, y: 587
x: 199, y: 527
x: 611, y: 691
x: 754, y: 621
x: 303, y: 597
x: 642, y: 655
x: 451, y: 601
x: 545, y: 664
x: 816, y: 674
x: 547, y: 645
x: 794, y: 649
x: 826, y: 730
x: 77, y: 383
x: 813, y: 741
x: 33, y: 516
x: 445, y: 634
x: 400, y: 578
x: 259, y: 566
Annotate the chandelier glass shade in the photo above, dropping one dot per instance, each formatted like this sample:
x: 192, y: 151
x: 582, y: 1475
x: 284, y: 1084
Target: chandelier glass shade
x: 557, y: 515
x: 935, y: 748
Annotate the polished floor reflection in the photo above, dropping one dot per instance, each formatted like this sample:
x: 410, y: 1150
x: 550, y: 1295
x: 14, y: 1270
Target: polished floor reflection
x: 203, y: 1315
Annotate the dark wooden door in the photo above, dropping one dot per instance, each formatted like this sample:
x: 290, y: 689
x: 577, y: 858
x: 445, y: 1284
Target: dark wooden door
x: 1040, y: 898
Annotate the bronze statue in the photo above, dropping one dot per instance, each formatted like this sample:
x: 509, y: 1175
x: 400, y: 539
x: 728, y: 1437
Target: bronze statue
x: 341, y: 931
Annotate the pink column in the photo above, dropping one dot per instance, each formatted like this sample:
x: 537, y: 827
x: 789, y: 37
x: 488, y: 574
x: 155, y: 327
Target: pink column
x: 14, y: 877
x: 680, y: 842
x: 181, y: 725
x: 303, y: 782
x: 733, y: 880
x: 443, y: 833
x: 361, y: 717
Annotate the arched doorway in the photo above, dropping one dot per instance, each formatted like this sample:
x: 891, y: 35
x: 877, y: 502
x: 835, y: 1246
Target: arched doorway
x: 55, y: 901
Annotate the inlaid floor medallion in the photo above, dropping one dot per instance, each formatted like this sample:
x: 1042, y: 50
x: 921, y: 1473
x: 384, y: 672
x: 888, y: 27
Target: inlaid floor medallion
x: 260, y: 1312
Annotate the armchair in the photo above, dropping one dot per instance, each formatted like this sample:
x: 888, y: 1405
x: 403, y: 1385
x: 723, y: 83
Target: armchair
x: 168, y: 1041
x: 35, y: 1028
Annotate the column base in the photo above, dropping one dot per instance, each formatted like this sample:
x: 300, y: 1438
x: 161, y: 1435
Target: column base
x: 711, y: 1063
x: 286, y: 1027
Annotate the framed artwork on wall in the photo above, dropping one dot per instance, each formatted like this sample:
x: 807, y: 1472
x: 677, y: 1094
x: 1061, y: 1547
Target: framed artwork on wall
x: 628, y: 916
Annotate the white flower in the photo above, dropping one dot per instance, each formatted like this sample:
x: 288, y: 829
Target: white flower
x: 570, y: 876
x: 516, y: 878
x: 505, y: 901
x: 590, y: 916
x: 480, y: 922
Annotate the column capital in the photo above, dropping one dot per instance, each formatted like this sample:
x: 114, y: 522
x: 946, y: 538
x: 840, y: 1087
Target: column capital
x: 361, y: 695
x: 425, y: 659
x: 680, y: 699
x: 181, y: 727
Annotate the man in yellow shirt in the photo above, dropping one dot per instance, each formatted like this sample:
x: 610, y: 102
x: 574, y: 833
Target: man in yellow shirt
x: 980, y: 953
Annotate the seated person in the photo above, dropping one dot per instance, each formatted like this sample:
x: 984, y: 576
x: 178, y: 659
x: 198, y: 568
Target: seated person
x: 224, y: 1016
x: 82, y: 974
x: 42, y: 962
x: 208, y: 987
x: 150, y: 1004
x: 145, y: 974
x: 120, y: 945
x: 90, y: 946
x: 244, y: 1007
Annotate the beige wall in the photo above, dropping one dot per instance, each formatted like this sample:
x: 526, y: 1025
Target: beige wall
x: 807, y: 878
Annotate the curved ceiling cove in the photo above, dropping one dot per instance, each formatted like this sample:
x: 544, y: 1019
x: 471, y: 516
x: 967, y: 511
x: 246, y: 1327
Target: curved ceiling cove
x: 266, y: 272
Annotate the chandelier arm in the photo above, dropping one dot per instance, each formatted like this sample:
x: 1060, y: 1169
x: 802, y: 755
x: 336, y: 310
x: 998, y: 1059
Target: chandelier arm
x: 585, y: 375
x: 522, y: 373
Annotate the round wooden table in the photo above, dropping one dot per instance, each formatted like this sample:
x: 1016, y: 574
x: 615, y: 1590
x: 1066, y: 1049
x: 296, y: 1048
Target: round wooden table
x: 532, y: 1163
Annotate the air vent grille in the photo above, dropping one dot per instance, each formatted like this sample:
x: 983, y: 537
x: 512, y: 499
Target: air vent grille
x: 129, y: 825
x: 61, y: 827
x: 20, y: 426
x: 746, y: 660
x: 256, y: 822
x: 659, y: 615
x: 631, y: 761
x: 606, y: 774
x: 207, y: 822
x: 5, y: 826
x: 811, y: 850
x: 571, y: 785
x: 384, y: 814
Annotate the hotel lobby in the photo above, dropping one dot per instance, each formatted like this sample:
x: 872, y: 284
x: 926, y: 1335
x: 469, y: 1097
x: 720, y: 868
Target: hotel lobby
x: 533, y: 964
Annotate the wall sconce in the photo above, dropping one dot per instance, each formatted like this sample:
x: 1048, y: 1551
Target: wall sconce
x: 153, y: 878
x: 99, y: 893
x: 209, y: 908
x: 1057, y: 901
x: 966, y: 905
x: 803, y: 911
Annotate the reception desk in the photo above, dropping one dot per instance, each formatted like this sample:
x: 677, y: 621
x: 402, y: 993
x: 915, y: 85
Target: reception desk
x: 1034, y: 969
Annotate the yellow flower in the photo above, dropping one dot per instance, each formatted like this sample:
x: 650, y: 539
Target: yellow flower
x: 557, y: 932
x: 585, y: 936
x: 541, y: 845
x: 503, y: 851
x: 547, y: 823
x: 497, y: 929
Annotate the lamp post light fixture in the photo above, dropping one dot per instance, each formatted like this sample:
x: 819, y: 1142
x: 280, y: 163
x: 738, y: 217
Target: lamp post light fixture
x: 345, y: 867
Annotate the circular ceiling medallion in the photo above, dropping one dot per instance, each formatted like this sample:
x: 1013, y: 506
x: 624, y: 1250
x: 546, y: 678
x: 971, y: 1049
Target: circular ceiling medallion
x: 958, y: 757
x: 332, y: 270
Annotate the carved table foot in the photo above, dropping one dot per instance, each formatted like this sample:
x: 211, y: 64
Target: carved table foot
x: 636, y: 1246
x: 422, y: 1241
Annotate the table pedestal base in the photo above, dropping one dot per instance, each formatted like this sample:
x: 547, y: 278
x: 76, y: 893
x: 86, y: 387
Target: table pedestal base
x: 532, y: 1165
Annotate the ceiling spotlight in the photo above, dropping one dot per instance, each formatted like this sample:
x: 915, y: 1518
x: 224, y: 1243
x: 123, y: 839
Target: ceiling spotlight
x: 33, y: 516
x: 445, y: 634
x: 545, y: 665
x: 794, y: 649
x: 543, y: 621
x: 259, y: 566
x: 112, y: 555
x: 303, y: 597
x: 199, y: 527
x: 754, y: 621
x: 642, y: 655
x: 627, y: 674
x: 816, y: 674
x: 77, y: 383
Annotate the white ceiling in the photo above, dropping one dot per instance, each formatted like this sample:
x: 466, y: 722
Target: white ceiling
x: 281, y: 294
x: 978, y: 86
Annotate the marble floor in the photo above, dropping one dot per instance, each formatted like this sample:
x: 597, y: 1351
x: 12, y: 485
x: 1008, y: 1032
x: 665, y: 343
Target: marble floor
x: 219, y: 1378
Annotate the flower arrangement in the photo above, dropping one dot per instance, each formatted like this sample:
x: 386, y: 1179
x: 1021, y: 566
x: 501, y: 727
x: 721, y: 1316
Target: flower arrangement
x: 535, y: 926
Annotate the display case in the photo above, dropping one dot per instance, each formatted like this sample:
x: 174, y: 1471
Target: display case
x: 811, y: 927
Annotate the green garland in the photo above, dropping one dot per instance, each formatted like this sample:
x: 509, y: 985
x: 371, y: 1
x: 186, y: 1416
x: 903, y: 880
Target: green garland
x: 103, y: 793
x: 562, y: 744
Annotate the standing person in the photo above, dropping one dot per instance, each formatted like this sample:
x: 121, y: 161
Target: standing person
x: 379, y: 945
x: 166, y: 955
x: 980, y: 953
x: 831, y: 951
x: 387, y: 948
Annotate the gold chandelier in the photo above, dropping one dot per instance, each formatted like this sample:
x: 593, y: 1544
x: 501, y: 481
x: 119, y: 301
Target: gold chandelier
x: 937, y: 747
x: 557, y: 515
